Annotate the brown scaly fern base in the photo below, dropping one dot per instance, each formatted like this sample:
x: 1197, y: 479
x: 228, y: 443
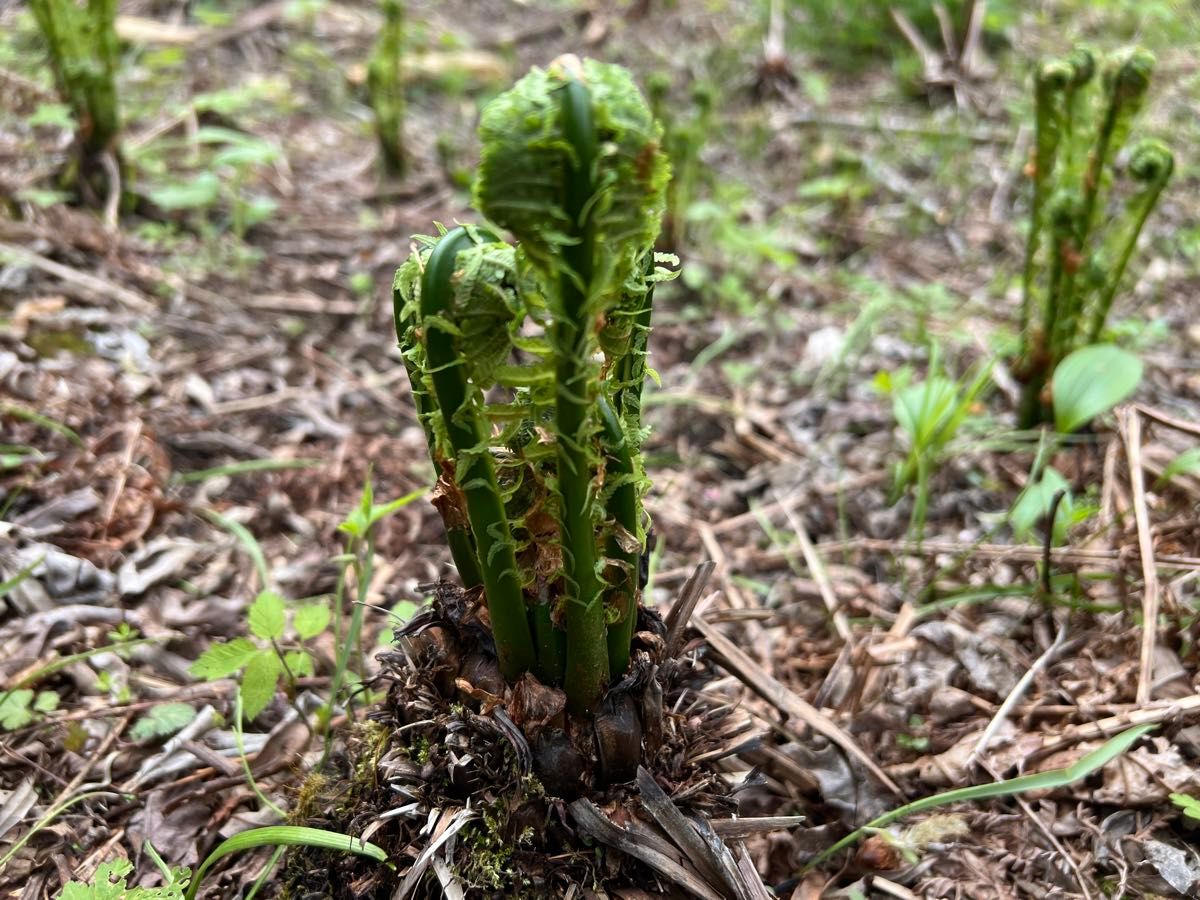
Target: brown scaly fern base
x: 479, y: 789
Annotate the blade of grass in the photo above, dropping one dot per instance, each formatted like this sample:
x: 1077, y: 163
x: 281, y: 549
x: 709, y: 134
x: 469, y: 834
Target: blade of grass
x: 246, y: 539
x: 284, y: 836
x: 246, y: 467
x: 20, y: 412
x: 1039, y: 781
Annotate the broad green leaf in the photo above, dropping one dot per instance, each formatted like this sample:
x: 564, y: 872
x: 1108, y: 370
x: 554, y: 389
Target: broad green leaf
x: 46, y: 701
x: 299, y: 663
x: 267, y: 616
x: 289, y: 836
x: 55, y: 115
x: 14, y: 709
x: 311, y: 620
x: 1090, y: 381
x: 259, y: 681
x: 200, y: 192
x: 222, y: 660
x: 1186, y: 463
x: 162, y: 720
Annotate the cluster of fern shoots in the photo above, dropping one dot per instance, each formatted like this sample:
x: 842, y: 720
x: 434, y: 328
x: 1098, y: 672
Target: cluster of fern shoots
x: 527, y: 362
x: 1084, y: 225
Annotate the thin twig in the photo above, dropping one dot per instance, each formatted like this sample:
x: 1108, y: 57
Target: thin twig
x: 1016, y: 694
x: 820, y: 574
x: 1131, y: 430
x: 787, y: 701
x: 97, y: 287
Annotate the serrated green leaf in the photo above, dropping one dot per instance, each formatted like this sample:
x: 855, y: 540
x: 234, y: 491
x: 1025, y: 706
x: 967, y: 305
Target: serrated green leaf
x: 1090, y: 381
x: 259, y: 682
x: 299, y: 663
x: 162, y: 720
x: 311, y: 620
x: 46, y: 701
x: 14, y: 709
x: 268, y: 616
x: 222, y: 660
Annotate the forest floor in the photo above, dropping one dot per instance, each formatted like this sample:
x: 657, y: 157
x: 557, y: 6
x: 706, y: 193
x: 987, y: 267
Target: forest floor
x: 157, y: 367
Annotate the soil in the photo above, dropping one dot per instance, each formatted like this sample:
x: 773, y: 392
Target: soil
x: 850, y: 223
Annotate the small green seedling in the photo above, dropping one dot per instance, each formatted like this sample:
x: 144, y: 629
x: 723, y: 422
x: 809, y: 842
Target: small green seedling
x: 1079, y: 245
x: 1090, y: 381
x: 527, y: 364
x: 930, y: 413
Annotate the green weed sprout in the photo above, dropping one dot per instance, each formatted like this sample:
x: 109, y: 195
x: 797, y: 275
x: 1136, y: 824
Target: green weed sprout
x: 1075, y: 255
x: 85, y: 57
x: 527, y: 365
x: 385, y: 88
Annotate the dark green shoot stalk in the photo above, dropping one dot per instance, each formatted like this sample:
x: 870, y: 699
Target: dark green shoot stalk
x: 474, y: 469
x: 622, y: 547
x: 1151, y: 164
x: 85, y: 56
x: 587, y: 661
x: 1051, y: 80
x: 1083, y: 67
x: 458, y: 533
x: 551, y: 646
x: 385, y: 88
x: 1125, y: 85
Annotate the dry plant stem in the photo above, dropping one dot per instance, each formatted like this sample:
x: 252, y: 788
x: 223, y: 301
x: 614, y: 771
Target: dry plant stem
x: 1015, y: 696
x: 819, y: 573
x: 787, y: 701
x: 1131, y: 429
x: 91, y: 285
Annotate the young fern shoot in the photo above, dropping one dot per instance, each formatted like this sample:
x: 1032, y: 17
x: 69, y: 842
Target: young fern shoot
x: 1076, y: 255
x: 539, y: 436
x: 385, y: 88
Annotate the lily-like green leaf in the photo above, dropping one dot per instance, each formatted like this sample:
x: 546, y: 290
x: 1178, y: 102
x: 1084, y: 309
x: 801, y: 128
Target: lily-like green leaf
x: 1091, y: 381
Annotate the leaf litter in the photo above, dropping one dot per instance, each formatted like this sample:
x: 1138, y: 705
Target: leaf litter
x: 249, y: 376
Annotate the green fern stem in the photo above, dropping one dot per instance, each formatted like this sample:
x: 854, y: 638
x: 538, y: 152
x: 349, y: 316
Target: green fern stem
x: 1051, y: 80
x: 385, y: 88
x: 1152, y: 163
x: 551, y: 643
x: 458, y: 536
x: 624, y: 510
x: 474, y: 468
x: 587, y: 661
